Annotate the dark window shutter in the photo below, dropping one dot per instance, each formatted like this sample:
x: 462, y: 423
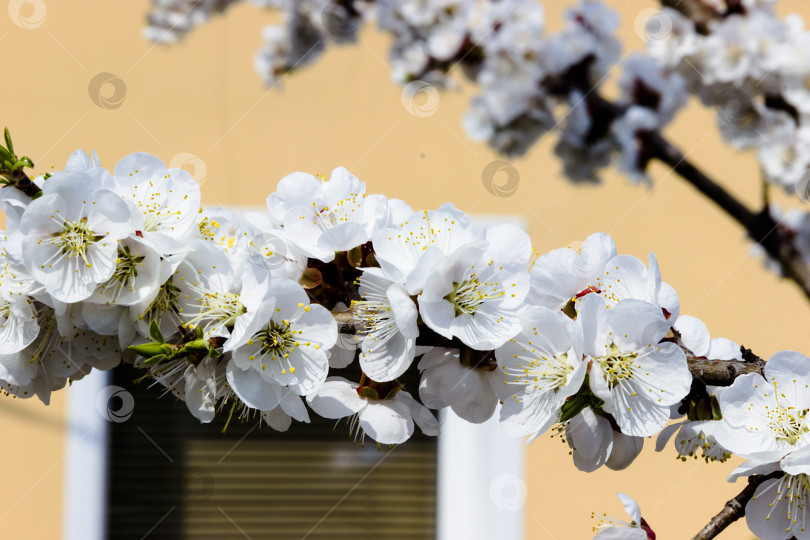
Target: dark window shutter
x: 173, y: 478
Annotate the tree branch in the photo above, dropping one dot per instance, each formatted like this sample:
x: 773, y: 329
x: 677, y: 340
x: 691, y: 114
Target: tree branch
x: 722, y: 372
x: 760, y: 226
x: 734, y: 509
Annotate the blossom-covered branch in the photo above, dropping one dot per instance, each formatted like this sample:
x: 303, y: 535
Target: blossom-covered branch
x: 328, y: 300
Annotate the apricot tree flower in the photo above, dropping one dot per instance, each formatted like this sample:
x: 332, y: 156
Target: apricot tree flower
x: 636, y: 374
x: 538, y: 370
x: 70, y: 235
x: 474, y: 297
x: 766, y: 416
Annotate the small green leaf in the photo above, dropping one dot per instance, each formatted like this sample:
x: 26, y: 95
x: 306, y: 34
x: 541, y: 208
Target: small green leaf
x: 8, y: 141
x: 24, y: 161
x: 155, y: 333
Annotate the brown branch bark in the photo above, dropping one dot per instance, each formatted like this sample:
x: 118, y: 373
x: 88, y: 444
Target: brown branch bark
x: 24, y: 184
x: 723, y: 372
x: 734, y: 509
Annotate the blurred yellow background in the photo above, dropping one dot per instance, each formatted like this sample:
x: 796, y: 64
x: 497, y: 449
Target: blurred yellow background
x: 202, y: 97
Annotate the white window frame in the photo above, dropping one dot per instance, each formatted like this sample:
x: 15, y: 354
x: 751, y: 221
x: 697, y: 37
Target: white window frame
x: 85, y: 488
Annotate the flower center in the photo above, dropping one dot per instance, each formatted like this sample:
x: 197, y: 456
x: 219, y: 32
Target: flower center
x: 74, y: 239
x: 210, y: 230
x: 376, y: 317
x: 617, y: 366
x: 344, y: 211
x: 165, y: 301
x: 220, y: 308
x: 277, y: 339
x: 126, y: 270
x: 793, y: 490
x: 787, y: 423
x: 471, y: 292
x: 544, y: 373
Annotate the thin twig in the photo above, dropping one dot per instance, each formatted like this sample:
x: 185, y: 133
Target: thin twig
x: 734, y: 509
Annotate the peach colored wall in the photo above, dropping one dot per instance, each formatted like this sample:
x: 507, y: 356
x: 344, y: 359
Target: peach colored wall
x: 203, y: 97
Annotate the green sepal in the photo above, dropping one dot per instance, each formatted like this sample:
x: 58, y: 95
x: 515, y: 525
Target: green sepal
x: 355, y: 256
x: 155, y: 359
x: 310, y: 278
x: 198, y: 346
x: 573, y: 406
x: 716, y: 413
x: 580, y: 401
x: 368, y: 392
x: 148, y: 350
x: 155, y: 333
